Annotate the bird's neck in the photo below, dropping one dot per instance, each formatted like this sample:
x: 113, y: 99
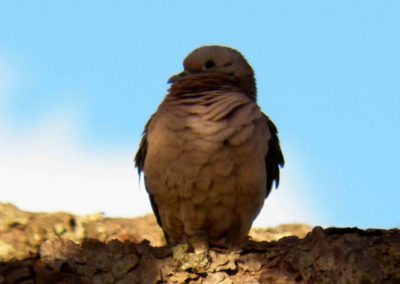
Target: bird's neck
x: 204, y: 82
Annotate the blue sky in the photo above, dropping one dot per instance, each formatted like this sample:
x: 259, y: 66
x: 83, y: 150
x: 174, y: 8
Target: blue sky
x: 84, y: 77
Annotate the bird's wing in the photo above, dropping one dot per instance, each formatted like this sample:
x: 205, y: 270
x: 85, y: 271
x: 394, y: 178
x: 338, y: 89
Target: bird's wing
x: 142, y: 152
x: 140, y: 157
x: 274, y: 158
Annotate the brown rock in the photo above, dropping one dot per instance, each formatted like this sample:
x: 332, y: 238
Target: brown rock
x: 333, y: 255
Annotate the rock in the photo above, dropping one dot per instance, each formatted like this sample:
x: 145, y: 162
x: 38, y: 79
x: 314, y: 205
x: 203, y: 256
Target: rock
x: 63, y: 248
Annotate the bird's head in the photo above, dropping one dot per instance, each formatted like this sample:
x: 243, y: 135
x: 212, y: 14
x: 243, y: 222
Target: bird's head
x: 212, y: 60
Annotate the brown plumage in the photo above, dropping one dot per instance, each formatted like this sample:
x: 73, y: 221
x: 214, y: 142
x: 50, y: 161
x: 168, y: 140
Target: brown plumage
x: 208, y: 154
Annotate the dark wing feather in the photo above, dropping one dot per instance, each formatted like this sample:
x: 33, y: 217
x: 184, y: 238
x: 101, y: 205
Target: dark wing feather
x: 155, y: 211
x: 142, y: 152
x: 274, y: 158
x: 140, y: 157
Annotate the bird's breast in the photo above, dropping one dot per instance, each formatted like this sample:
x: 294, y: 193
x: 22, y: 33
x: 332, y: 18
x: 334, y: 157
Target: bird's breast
x: 203, y: 123
x: 207, y: 136
x: 204, y: 161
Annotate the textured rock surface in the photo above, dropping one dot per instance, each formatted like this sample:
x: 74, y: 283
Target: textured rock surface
x: 60, y: 248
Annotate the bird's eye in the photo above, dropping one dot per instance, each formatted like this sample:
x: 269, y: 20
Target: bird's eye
x: 209, y: 64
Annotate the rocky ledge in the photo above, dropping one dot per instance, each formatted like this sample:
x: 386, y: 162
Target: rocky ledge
x: 63, y: 248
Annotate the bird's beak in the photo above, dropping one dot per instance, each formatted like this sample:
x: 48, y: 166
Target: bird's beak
x: 177, y: 77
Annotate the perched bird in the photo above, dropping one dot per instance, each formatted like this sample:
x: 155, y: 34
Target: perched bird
x: 208, y: 154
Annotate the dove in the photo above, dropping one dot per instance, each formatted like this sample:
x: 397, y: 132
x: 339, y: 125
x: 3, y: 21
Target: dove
x: 209, y: 155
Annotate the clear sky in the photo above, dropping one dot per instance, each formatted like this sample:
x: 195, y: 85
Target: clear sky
x: 79, y: 79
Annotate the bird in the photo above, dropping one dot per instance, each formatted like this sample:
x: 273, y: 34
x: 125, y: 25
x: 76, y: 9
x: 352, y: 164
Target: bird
x: 209, y: 155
